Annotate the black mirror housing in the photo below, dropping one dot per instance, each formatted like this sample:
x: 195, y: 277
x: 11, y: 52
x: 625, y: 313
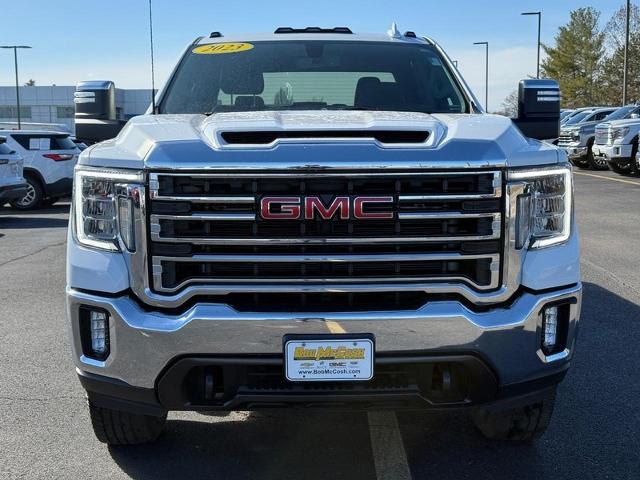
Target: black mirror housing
x: 539, y: 109
x: 96, y: 115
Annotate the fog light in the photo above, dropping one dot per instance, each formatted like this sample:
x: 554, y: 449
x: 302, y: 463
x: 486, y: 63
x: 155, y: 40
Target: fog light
x: 94, y: 330
x: 99, y: 332
x: 550, y: 328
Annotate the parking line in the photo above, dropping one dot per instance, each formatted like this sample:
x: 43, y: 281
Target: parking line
x: 334, y: 327
x: 622, y: 180
x: 389, y: 456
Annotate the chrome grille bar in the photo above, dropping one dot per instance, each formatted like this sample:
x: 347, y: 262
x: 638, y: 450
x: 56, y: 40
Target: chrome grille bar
x: 325, y: 258
x: 204, y: 217
x: 326, y: 240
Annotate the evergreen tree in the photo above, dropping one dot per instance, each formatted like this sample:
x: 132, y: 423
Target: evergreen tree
x: 576, y: 59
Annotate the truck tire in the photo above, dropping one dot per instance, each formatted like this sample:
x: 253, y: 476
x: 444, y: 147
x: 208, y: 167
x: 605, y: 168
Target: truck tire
x: 49, y: 201
x: 594, y: 163
x: 620, y: 169
x: 34, y: 196
x: 115, y: 427
x: 523, y: 424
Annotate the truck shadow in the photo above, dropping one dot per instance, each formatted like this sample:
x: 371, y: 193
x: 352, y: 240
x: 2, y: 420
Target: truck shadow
x: 15, y: 219
x: 595, y: 429
x: 269, y: 445
x: 594, y: 433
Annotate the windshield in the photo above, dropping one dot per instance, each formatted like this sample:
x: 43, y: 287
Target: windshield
x: 578, y: 117
x: 623, y: 112
x: 312, y: 75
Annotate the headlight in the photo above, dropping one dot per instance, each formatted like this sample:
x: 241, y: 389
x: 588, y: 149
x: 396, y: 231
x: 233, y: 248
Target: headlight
x: 619, y: 132
x: 575, y: 135
x: 103, y: 207
x: 543, y: 215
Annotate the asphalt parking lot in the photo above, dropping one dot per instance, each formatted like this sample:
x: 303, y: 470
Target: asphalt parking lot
x: 595, y: 432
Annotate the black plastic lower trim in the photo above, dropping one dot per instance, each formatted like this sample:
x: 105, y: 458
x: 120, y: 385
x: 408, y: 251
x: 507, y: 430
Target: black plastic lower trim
x: 115, y: 394
x: 60, y: 188
x: 112, y: 393
x: 12, y: 192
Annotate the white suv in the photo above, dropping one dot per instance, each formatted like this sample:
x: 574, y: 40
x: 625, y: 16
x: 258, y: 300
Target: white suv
x: 12, y: 184
x: 49, y: 158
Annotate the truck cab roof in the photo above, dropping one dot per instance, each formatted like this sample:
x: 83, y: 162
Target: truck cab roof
x: 309, y: 33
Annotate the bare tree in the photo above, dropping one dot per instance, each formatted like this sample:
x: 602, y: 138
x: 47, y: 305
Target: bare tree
x: 615, y: 29
x: 509, y: 106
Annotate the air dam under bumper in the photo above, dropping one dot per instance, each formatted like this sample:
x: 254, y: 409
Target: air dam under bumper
x: 501, y: 343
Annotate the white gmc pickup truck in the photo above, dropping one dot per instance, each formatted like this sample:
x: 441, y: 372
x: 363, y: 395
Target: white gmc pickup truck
x: 322, y: 219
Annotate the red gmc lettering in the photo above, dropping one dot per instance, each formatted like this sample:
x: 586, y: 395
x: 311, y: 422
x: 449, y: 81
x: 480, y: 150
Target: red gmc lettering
x: 294, y: 208
x: 289, y: 208
x: 314, y: 204
x: 359, y: 207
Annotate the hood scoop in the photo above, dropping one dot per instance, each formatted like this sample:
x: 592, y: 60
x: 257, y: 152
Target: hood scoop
x: 267, y: 137
x: 269, y: 129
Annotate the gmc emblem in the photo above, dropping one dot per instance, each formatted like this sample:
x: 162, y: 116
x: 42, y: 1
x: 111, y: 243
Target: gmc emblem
x: 296, y: 208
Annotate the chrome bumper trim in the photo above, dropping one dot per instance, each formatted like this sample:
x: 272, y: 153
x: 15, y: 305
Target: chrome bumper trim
x: 144, y: 342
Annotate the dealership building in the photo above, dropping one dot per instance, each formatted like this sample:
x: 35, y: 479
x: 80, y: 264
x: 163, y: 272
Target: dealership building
x: 54, y: 104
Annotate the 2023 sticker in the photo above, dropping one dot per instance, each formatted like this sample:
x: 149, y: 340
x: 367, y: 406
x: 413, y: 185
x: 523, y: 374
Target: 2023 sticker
x: 219, y: 48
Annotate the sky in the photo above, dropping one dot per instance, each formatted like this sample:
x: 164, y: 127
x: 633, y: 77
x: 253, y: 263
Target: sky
x: 76, y: 40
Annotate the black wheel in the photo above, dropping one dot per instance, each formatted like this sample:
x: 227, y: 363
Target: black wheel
x: 599, y: 163
x: 116, y: 427
x: 34, y: 196
x: 523, y: 424
x: 595, y: 163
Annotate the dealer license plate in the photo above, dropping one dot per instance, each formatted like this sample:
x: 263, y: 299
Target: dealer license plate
x: 328, y: 359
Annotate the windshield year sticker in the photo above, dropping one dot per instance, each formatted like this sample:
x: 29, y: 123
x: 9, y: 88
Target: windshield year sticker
x: 218, y: 48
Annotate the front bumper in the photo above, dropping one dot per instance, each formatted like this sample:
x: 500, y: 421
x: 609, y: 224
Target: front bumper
x: 576, y: 152
x: 12, y: 192
x: 613, y: 153
x: 144, y: 344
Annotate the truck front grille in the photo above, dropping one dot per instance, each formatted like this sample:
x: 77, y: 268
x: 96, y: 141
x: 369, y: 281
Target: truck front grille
x: 564, y: 140
x: 208, y: 230
x: 603, y: 137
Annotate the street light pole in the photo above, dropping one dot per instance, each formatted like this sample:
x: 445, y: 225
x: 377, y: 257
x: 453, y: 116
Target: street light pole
x: 626, y: 55
x: 539, y: 14
x: 486, y: 74
x: 15, y: 59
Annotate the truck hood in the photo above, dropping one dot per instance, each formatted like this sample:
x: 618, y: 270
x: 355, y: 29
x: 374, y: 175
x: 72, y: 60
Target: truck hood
x: 622, y: 123
x: 198, y: 142
x: 580, y: 126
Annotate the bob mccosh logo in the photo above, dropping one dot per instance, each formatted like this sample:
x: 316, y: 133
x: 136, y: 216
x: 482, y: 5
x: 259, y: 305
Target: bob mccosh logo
x: 310, y: 208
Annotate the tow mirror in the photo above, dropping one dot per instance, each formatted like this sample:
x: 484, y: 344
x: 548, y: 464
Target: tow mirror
x: 539, y: 109
x: 634, y: 115
x: 96, y: 116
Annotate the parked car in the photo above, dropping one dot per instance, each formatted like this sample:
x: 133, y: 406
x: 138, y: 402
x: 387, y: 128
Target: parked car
x: 578, y: 111
x: 79, y: 143
x: 12, y: 184
x: 565, y: 112
x: 49, y: 158
x: 577, y: 136
x: 616, y: 143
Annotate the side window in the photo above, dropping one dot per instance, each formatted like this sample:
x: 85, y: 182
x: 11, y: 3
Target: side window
x: 22, y: 140
x: 39, y: 143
